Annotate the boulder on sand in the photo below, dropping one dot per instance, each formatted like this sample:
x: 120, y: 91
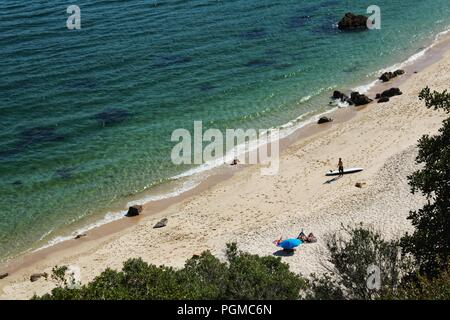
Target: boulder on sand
x: 383, y: 99
x: 385, y: 77
x: 324, y: 120
x: 161, y: 223
x: 36, y: 276
x: 353, y: 22
x: 391, y: 92
x: 360, y: 99
x: 4, y: 275
x: 134, y: 211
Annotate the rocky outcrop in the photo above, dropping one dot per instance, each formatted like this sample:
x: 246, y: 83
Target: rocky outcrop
x: 353, y: 22
x: 360, y: 99
x: 162, y: 223
x: 383, y: 100
x: 387, y: 76
x: 337, y: 95
x: 134, y: 211
x: 36, y: 276
x: 324, y: 120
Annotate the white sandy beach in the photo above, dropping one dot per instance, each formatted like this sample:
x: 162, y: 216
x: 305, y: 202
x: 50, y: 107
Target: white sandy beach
x: 254, y: 210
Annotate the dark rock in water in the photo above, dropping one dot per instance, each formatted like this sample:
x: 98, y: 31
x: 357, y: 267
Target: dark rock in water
x: 383, y: 99
x: 260, y: 63
x: 360, y: 99
x: 256, y: 33
x: 167, y: 61
x: 207, y: 87
x: 111, y: 116
x: 39, y: 134
x: 4, y: 275
x: 17, y: 183
x: 161, y: 223
x: 353, y: 22
x: 78, y: 236
x: 65, y: 173
x: 134, y: 211
x: 391, y: 92
x: 36, y: 276
x: 298, y: 21
x: 399, y: 72
x: 337, y: 95
x: 324, y: 120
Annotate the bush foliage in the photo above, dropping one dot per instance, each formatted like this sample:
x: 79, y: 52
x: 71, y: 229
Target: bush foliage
x: 242, y: 276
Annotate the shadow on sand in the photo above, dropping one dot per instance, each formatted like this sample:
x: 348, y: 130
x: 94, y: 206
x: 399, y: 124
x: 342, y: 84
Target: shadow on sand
x: 332, y: 180
x: 284, y: 253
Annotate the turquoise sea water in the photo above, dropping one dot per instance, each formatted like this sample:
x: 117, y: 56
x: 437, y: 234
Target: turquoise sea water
x: 86, y: 115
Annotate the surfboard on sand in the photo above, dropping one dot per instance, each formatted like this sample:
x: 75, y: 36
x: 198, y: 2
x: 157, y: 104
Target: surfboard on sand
x: 346, y: 171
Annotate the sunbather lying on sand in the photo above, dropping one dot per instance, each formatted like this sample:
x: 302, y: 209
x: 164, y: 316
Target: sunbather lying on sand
x: 308, y: 239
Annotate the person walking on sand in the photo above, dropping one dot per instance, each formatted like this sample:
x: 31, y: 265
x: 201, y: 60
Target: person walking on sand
x: 341, y: 167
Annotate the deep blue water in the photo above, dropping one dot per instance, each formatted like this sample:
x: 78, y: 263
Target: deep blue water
x: 86, y: 115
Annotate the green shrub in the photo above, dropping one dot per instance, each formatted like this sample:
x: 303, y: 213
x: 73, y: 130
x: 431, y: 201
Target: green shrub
x: 243, y: 276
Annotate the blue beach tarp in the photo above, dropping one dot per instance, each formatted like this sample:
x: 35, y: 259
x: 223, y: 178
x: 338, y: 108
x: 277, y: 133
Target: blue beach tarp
x: 290, y: 243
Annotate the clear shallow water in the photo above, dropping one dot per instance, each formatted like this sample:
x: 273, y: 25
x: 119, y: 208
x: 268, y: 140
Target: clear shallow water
x: 86, y: 116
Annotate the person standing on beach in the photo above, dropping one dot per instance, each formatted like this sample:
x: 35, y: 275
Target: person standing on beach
x: 341, y: 167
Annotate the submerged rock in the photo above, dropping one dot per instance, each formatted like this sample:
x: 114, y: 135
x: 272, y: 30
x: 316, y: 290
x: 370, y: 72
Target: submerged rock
x: 111, y: 116
x: 353, y: 22
x: 39, y: 134
x: 162, y: 223
x: 134, y: 211
x: 256, y: 33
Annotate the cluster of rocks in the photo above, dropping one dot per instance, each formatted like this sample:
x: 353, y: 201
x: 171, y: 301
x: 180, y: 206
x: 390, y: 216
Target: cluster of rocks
x: 356, y: 98
x: 137, y: 209
x: 387, y: 94
x: 353, y: 22
x: 385, y: 77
